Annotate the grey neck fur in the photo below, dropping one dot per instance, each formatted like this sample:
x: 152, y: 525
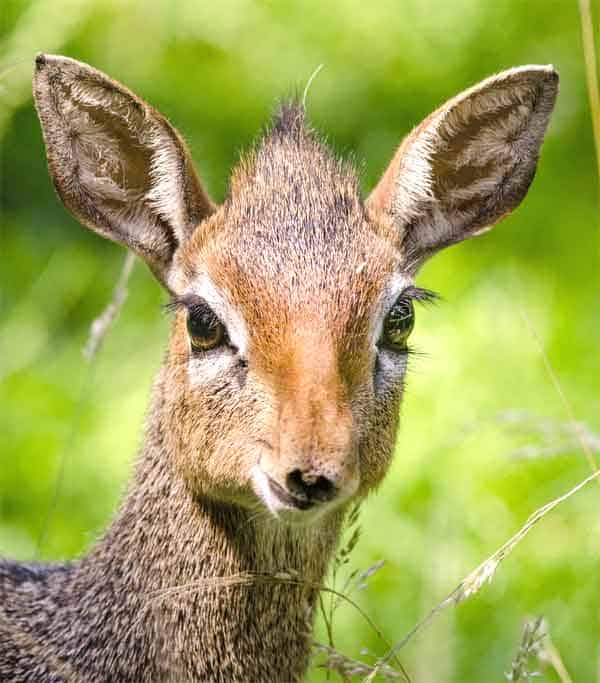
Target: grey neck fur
x: 109, y: 617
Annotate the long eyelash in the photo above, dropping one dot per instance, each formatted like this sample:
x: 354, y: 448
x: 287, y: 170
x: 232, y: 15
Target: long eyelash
x: 420, y: 294
x: 193, y: 304
x: 415, y: 352
x: 176, y: 304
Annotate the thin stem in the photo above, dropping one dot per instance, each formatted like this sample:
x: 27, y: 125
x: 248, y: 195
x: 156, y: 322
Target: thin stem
x: 250, y: 578
x: 327, y: 626
x: 483, y: 573
x: 575, y: 425
x: 591, y: 72
x: 101, y: 325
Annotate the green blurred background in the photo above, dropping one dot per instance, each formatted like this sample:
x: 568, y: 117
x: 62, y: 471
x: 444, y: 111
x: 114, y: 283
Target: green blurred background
x: 481, y: 444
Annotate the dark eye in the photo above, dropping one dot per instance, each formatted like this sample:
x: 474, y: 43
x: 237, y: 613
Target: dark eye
x: 205, y: 329
x: 398, y: 325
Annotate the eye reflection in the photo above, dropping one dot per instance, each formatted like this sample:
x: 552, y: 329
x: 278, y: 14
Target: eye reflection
x: 398, y: 324
x: 205, y: 330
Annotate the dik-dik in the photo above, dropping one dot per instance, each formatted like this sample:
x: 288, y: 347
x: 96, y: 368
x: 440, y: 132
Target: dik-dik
x: 277, y: 404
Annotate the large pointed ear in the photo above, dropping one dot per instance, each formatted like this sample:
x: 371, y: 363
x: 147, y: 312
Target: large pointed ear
x: 117, y: 164
x: 468, y: 164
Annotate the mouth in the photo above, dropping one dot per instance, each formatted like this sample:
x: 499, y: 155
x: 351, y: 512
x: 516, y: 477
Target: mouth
x: 278, y: 500
x: 288, y: 499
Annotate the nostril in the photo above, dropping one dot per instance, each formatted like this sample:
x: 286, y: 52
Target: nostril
x: 323, y: 489
x: 309, y: 486
x: 296, y: 484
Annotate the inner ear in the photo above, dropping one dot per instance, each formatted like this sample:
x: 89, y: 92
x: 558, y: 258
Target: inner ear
x: 468, y: 164
x: 117, y: 164
x: 111, y: 141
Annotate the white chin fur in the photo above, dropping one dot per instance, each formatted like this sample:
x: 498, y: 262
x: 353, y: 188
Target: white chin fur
x: 262, y: 488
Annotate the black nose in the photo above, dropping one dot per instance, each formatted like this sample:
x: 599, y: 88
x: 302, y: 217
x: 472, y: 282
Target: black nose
x: 310, y: 487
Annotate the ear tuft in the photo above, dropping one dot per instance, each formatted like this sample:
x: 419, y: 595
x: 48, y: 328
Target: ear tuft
x: 117, y: 164
x: 469, y: 163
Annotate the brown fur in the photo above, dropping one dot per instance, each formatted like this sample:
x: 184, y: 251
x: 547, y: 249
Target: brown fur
x: 180, y: 586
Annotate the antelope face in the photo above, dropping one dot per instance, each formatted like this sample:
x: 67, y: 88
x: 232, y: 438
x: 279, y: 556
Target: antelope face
x: 294, y: 324
x: 295, y: 298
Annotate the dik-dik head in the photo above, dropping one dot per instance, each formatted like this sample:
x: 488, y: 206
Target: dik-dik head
x: 295, y: 297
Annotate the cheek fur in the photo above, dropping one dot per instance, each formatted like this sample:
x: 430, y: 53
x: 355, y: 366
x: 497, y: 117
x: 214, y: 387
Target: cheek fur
x: 221, y: 406
x: 212, y: 368
x: 390, y: 370
x: 380, y: 420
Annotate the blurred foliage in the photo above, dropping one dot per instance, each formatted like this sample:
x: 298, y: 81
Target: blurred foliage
x: 455, y: 492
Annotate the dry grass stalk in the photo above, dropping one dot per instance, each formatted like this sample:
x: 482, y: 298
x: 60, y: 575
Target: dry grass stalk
x: 529, y: 648
x: 575, y: 425
x: 553, y: 437
x: 353, y: 532
x: 252, y: 578
x: 483, y: 573
x: 536, y: 644
x: 589, y: 55
x: 551, y: 654
x: 101, y: 325
x: 314, y: 74
x: 348, y: 668
x: 335, y: 661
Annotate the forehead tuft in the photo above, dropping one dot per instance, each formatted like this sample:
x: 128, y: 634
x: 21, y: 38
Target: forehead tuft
x: 295, y: 206
x: 292, y: 168
x: 290, y: 121
x: 293, y: 235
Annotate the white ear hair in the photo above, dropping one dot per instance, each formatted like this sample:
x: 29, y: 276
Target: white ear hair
x: 117, y: 164
x: 469, y: 163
